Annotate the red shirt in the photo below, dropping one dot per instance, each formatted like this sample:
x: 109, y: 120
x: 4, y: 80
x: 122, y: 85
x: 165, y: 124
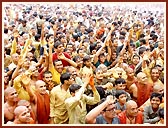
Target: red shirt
x: 65, y: 63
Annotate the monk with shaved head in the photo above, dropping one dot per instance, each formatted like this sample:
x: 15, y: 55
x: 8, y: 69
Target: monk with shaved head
x: 22, y: 116
x: 131, y: 115
x: 27, y: 104
x: 41, y: 101
x: 11, y: 98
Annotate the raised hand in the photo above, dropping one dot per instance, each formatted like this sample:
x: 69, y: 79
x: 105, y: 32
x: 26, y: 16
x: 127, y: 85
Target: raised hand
x: 16, y: 34
x: 62, y: 56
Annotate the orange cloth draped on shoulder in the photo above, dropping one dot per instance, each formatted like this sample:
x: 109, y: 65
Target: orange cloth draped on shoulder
x: 138, y: 119
x: 43, y: 108
x: 143, y: 93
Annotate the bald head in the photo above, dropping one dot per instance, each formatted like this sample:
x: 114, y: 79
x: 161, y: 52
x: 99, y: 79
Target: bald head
x: 131, y: 108
x: 20, y: 109
x: 140, y: 74
x: 158, y: 88
x: 39, y: 82
x: 22, y: 102
x: 130, y: 103
x: 9, y: 90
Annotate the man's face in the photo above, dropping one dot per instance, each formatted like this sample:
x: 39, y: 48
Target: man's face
x: 155, y: 74
x: 25, y: 116
x: 135, y: 60
x: 110, y: 111
x: 12, y: 95
x: 120, y: 86
x: 60, y: 49
x: 155, y: 102
x: 41, y: 87
x: 130, y: 73
x: 59, y: 66
x: 143, y: 79
x: 47, y: 77
x: 132, y: 110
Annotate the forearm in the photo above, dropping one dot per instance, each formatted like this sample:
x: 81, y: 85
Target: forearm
x: 91, y: 116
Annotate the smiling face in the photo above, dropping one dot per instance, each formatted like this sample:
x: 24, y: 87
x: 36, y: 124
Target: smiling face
x: 22, y: 114
x: 110, y: 111
x: 155, y: 74
x: 155, y: 102
x: 41, y: 87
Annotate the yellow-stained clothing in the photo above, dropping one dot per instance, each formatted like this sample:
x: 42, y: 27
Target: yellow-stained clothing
x: 76, y: 112
x: 37, y: 47
x: 147, y: 72
x: 57, y: 105
x: 55, y: 75
x: 7, y: 61
x: 22, y: 93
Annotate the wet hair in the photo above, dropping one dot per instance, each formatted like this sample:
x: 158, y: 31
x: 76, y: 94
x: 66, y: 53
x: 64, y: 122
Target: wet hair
x: 119, y: 81
x: 74, y: 87
x: 65, y: 76
x: 154, y: 94
x: 119, y: 92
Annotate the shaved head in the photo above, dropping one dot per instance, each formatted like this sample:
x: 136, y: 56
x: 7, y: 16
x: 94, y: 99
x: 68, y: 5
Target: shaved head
x: 130, y: 103
x: 131, y: 108
x: 8, y: 90
x: 22, y: 102
x: 158, y: 88
x: 18, y: 110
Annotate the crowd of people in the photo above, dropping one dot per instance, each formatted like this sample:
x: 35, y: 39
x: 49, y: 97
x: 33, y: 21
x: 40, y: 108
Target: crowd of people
x: 83, y: 63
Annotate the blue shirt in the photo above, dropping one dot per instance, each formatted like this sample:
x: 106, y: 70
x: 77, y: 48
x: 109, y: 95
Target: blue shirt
x: 100, y: 120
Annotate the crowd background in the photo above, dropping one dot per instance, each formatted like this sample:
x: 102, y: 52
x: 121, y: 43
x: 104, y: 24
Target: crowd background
x: 77, y: 63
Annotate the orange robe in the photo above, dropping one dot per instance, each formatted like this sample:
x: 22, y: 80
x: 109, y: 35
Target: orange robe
x: 143, y: 93
x: 138, y: 119
x: 43, y: 108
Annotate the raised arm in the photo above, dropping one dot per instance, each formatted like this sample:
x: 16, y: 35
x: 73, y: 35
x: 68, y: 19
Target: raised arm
x: 91, y: 116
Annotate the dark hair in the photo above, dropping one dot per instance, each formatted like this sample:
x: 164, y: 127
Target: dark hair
x: 74, y: 87
x: 161, y: 113
x: 56, y: 44
x: 142, y: 40
x: 46, y: 72
x: 79, y: 50
x: 119, y: 92
x: 37, y: 37
x: 154, y: 36
x: 142, y: 50
x: 56, y: 61
x: 154, y: 94
x: 40, y: 16
x: 119, y: 81
x: 85, y: 58
x: 101, y: 91
x: 92, y: 47
x: 48, y: 36
x: 5, y: 30
x: 136, y: 55
x: 76, y: 58
x: 65, y: 76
